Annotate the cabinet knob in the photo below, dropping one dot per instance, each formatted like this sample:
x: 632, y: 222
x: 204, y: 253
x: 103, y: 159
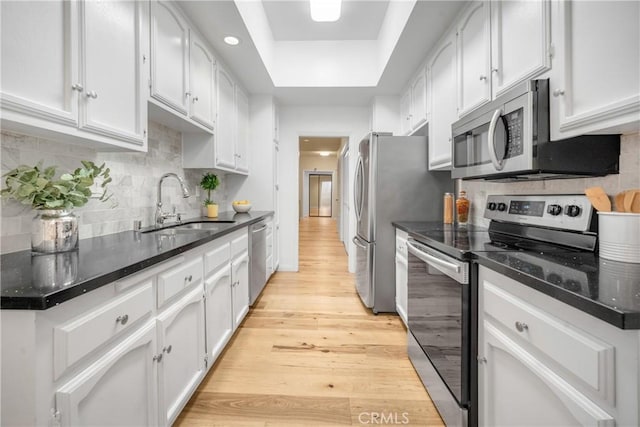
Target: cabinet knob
x: 195, y: 99
x: 187, y: 94
x: 188, y: 278
x: 122, y: 319
x: 92, y: 94
x: 483, y: 78
x: 494, y: 70
x: 521, y: 326
x: 558, y: 92
x: 157, y: 357
x: 167, y: 349
x: 482, y: 359
x: 77, y: 87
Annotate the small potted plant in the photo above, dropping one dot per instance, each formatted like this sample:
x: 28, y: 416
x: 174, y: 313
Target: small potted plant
x: 55, y: 227
x: 210, y: 182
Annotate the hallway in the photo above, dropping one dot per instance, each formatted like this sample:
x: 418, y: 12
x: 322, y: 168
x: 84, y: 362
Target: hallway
x: 309, y: 353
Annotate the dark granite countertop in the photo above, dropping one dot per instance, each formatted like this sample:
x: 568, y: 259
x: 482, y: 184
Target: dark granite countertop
x: 607, y: 290
x: 38, y: 282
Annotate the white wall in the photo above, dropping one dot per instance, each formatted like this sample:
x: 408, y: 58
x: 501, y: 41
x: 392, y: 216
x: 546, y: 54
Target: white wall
x: 296, y: 121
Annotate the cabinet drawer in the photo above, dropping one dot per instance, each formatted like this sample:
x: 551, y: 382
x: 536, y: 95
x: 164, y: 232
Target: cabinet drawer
x: 216, y: 258
x: 173, y: 281
x: 584, y: 356
x: 239, y: 244
x: 81, y: 335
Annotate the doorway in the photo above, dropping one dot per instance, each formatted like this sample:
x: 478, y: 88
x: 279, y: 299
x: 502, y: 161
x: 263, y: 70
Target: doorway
x: 320, y: 195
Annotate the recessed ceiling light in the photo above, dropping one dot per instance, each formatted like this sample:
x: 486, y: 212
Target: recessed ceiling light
x: 325, y: 10
x: 325, y: 153
x: 231, y: 40
x: 305, y: 140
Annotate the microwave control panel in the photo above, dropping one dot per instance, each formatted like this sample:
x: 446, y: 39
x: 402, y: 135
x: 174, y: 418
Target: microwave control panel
x: 567, y: 212
x: 514, y: 125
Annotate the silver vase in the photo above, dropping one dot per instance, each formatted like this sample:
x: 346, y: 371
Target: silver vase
x: 54, y: 230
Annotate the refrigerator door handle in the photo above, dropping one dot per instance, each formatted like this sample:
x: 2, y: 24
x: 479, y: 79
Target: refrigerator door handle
x: 358, y: 189
x: 356, y: 241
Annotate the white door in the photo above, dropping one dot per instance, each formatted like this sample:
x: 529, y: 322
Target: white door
x: 442, y: 86
x: 517, y: 389
x: 119, y: 389
x: 405, y: 113
x: 219, y: 314
x: 39, y: 43
x: 226, y: 122
x: 112, y: 103
x: 181, y: 343
x: 520, y: 37
x: 473, y: 47
x: 170, y: 56
x: 240, y: 288
x: 595, y: 82
x: 419, y: 100
x: 242, y: 135
x: 202, y: 66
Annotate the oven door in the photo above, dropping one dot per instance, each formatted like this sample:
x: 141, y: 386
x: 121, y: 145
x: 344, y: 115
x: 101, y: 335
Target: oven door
x: 439, y: 315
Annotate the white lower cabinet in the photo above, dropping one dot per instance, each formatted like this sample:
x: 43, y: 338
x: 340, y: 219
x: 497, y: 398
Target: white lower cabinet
x: 542, y: 362
x: 118, y: 389
x: 240, y: 288
x: 181, y: 352
x: 219, y: 311
x: 402, y: 275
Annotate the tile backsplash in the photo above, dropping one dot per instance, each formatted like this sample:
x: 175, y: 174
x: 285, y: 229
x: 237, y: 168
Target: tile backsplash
x: 629, y: 177
x: 135, y: 183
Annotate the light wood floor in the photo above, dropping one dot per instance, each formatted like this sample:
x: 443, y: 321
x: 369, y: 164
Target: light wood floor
x: 309, y: 353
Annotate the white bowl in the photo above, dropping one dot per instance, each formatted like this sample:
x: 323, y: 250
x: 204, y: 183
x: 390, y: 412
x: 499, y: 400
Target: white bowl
x: 241, y: 208
x: 619, y: 235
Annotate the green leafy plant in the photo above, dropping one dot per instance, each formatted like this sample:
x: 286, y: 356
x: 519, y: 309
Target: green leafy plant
x: 209, y: 182
x: 36, y: 186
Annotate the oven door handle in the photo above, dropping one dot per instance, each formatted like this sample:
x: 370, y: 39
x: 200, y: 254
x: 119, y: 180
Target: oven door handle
x: 428, y: 258
x: 491, y: 140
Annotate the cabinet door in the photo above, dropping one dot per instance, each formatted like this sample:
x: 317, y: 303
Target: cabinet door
x: 202, y: 82
x: 405, y: 113
x: 240, y: 288
x: 520, y: 37
x: 442, y: 87
x: 419, y: 100
x: 226, y: 122
x: 474, y: 54
x: 276, y: 207
x: 39, y: 60
x: 181, y: 342
x: 120, y: 388
x: 401, y: 287
x: 112, y: 103
x: 218, y: 315
x: 169, y: 56
x: 513, y: 387
x: 242, y: 138
x: 276, y: 123
x: 595, y: 82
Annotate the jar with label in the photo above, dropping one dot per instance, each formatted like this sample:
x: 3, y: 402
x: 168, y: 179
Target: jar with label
x: 447, y: 216
x: 462, y: 208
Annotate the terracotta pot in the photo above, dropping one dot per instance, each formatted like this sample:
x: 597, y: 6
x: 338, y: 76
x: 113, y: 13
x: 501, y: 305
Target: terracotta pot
x: 212, y: 211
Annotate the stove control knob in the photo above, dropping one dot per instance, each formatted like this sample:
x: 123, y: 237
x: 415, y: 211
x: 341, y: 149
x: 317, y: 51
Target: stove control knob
x: 554, y: 210
x: 502, y: 207
x: 491, y: 206
x: 573, y: 210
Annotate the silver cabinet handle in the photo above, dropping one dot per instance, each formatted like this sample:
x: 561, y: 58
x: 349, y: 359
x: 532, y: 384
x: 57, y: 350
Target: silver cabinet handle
x: 167, y: 349
x: 122, y: 319
x: 494, y: 70
x: 77, y: 87
x: 187, y: 94
x: 92, y: 94
x: 188, y: 278
x: 483, y: 78
x: 157, y: 358
x: 558, y: 92
x: 521, y: 326
x: 482, y: 359
x: 195, y: 98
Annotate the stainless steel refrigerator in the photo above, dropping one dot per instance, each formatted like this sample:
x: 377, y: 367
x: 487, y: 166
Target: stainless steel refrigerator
x: 392, y: 183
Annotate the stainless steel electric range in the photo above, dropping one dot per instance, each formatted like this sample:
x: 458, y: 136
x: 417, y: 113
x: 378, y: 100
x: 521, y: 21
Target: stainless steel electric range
x: 442, y: 284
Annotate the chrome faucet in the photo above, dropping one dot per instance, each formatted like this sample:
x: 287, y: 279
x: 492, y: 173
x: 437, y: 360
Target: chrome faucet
x: 162, y: 216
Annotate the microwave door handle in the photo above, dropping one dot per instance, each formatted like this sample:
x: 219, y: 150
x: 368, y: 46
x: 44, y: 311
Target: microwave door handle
x: 498, y: 164
x: 433, y: 260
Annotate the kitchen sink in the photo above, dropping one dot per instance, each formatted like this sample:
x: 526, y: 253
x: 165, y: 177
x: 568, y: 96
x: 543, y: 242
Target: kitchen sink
x: 199, y: 226
x: 172, y: 231
x: 191, y: 227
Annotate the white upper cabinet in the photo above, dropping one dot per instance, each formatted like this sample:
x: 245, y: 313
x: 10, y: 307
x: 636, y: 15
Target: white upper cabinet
x: 242, y: 126
x: 442, y: 87
x: 170, y: 56
x: 62, y: 76
x: 225, y: 132
x: 520, y: 42
x: 474, y: 50
x: 595, y: 85
x: 202, y: 82
x: 419, y: 100
x: 500, y: 44
x: 405, y: 113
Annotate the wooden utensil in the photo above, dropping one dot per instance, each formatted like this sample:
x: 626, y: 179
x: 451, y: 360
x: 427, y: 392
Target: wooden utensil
x: 635, y: 202
x: 598, y: 198
x: 629, y: 195
x: 619, y: 202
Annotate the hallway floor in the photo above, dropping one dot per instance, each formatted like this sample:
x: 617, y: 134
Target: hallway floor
x: 309, y: 353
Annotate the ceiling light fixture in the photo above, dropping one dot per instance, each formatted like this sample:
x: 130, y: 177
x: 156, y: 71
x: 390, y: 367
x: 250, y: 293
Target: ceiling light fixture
x: 325, y: 10
x: 305, y: 140
x: 325, y: 153
x: 231, y: 40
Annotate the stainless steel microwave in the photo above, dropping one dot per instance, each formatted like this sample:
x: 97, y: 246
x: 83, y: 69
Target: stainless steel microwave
x: 508, y: 140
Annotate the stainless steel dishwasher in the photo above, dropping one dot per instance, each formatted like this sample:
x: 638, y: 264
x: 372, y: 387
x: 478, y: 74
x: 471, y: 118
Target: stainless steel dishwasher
x: 258, y: 273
